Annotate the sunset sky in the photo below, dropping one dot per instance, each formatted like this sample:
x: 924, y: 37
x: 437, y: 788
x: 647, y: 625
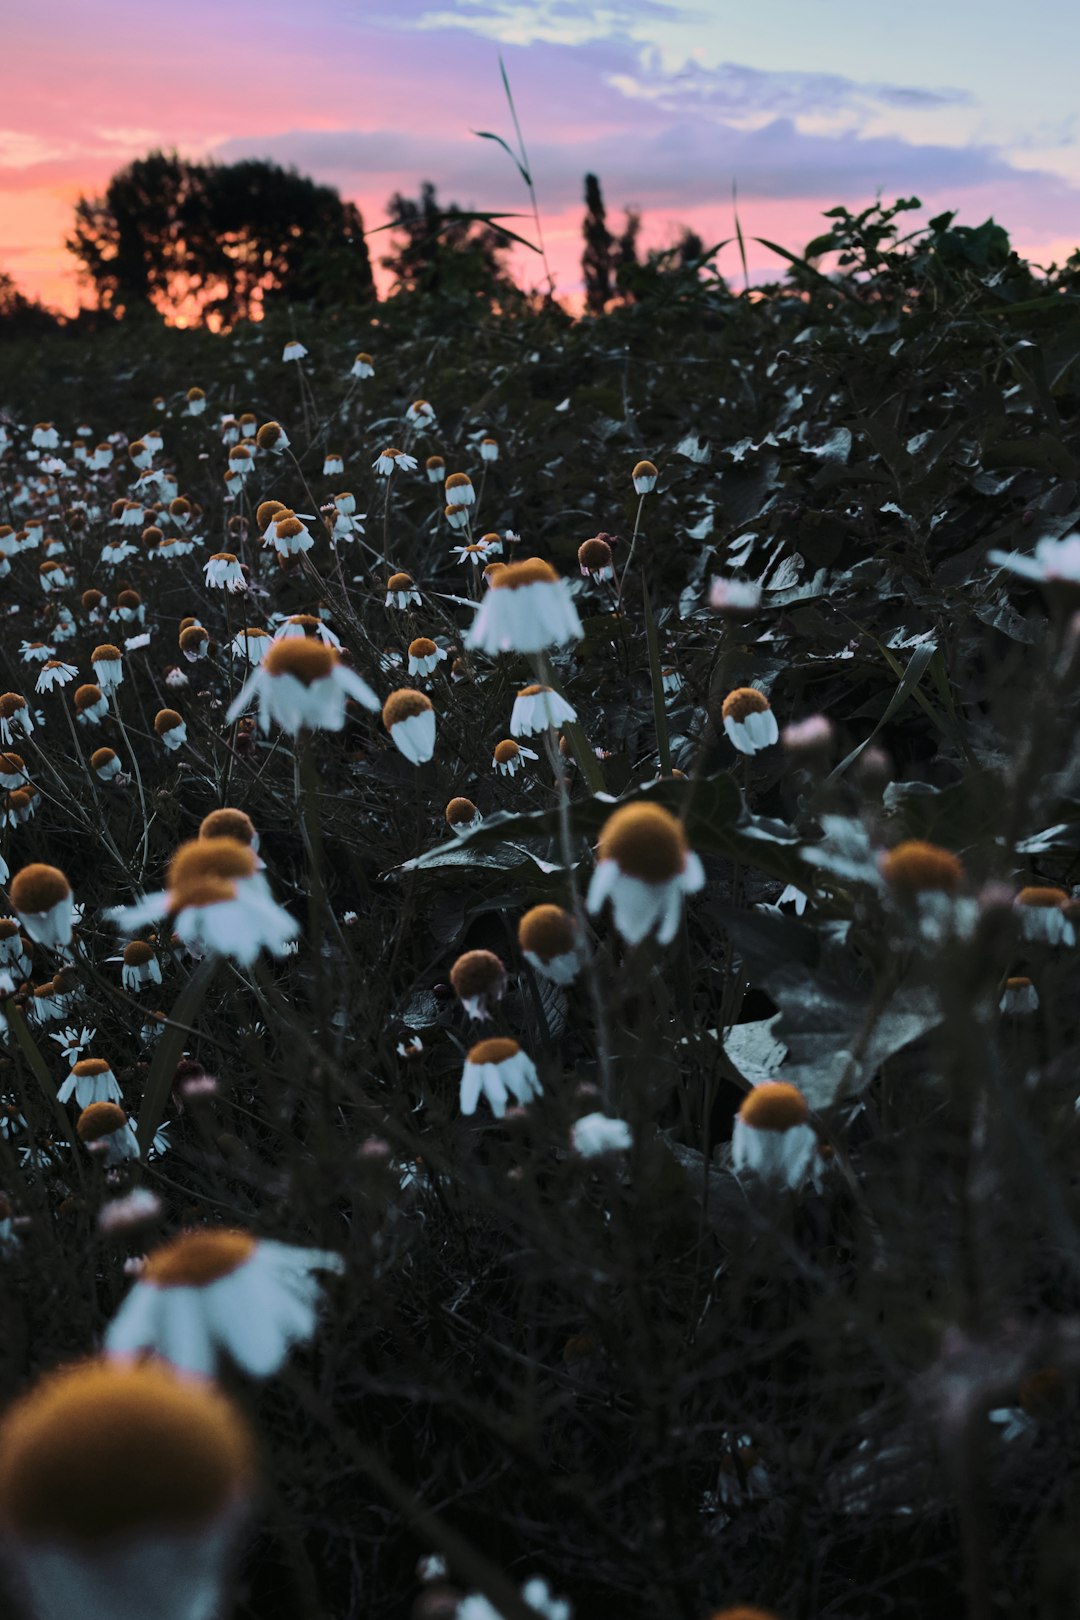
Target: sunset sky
x: 802, y: 103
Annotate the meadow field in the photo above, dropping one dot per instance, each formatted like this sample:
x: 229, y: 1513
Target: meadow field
x: 539, y: 956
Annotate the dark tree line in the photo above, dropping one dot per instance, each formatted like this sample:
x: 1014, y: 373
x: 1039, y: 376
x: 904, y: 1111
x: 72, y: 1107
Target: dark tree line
x: 222, y: 242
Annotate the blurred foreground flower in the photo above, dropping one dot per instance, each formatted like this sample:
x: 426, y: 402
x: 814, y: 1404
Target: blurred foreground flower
x: 302, y: 685
x: 550, y: 942
x: 1055, y: 562
x: 596, y: 1134
x: 498, y: 1069
x: 527, y: 609
x: 645, y: 868
x: 121, y: 1489
x: 222, y: 1292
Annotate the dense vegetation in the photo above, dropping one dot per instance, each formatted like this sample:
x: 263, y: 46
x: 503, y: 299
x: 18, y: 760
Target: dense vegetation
x: 661, y: 1382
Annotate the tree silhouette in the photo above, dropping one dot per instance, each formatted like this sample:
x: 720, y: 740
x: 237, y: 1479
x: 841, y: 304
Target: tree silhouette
x: 218, y: 241
x: 447, y: 253
x: 596, y: 262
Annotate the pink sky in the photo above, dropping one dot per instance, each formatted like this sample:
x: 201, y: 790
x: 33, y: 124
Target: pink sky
x: 374, y: 99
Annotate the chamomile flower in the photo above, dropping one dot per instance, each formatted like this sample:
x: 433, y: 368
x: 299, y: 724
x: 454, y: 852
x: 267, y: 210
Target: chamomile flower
x: 294, y: 350
x: 15, y: 717
x: 105, y: 764
x: 45, y: 436
x: 107, y: 662
x: 230, y: 823
x: 1018, y: 997
x: 424, y: 656
x: 1041, y: 910
x: 497, y: 1070
x: 435, y: 467
x: 459, y: 490
x: 218, y: 900
x: 54, y: 674
x: 596, y: 1134
x: 644, y: 477
x: 273, y: 438
x: 222, y: 571
x: 462, y: 816
x: 43, y: 902
x: 13, y: 771
x: 748, y: 720
x: 309, y: 625
x: 478, y: 979
x: 122, y: 1485
x: 91, y: 1081
x: 215, y: 1294
x: 474, y: 552
x: 333, y: 464
x: 644, y: 869
x: 401, y: 592
x: 90, y: 704
x: 550, y: 942
x: 458, y: 518
x: 527, y: 609
x: 772, y: 1137
x: 410, y: 719
x: 170, y: 728
x: 251, y: 644
x: 390, y: 459
x: 302, y: 685
x: 594, y: 559
x: 35, y: 652
x: 195, y: 402
x: 489, y: 449
x: 509, y: 757
x: 420, y: 414
x: 139, y: 966
x: 537, y: 709
x: 362, y: 366
x: 105, y: 1131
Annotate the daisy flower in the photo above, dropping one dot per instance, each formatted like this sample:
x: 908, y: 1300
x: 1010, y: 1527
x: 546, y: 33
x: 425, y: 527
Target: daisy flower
x: 1042, y: 914
x: 596, y: 1134
x: 105, y: 1131
x: 91, y: 705
x: 107, y: 662
x: 91, y: 1081
x: 498, y: 1069
x: 139, y: 966
x: 293, y: 350
x: 333, y: 464
x: 748, y: 720
x: 645, y: 867
x: 410, y: 719
x: 195, y: 402
x: 1055, y: 562
x: 123, y: 1484
x: 307, y: 624
x: 401, y: 592
x: 1018, y: 997
x: 273, y: 438
x: 478, y: 979
x: 390, y: 458
x: 362, y: 366
x: 171, y: 729
x: 251, y: 644
x: 594, y: 559
x: 527, y: 609
x: 644, y: 476
x: 45, y: 436
x: 458, y: 518
x: 302, y: 685
x: 218, y: 900
x: 435, y: 467
x: 550, y: 942
x: 54, y: 674
x: 462, y: 816
x: 509, y: 757
x: 420, y: 414
x: 14, y: 716
x: 489, y: 449
x: 459, y: 490
x: 538, y: 708
x: 772, y: 1136
x: 42, y: 899
x: 105, y: 764
x: 424, y: 656
x: 222, y: 1293
x: 222, y: 571
x: 13, y: 771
